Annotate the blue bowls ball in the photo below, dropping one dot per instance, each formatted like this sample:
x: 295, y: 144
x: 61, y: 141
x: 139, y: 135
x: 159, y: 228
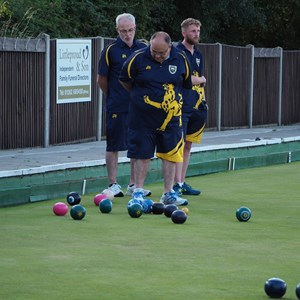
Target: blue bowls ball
x: 243, y: 214
x: 275, y: 287
x: 178, y: 216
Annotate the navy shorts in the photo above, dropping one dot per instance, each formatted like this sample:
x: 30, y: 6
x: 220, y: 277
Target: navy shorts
x: 168, y: 144
x: 193, y: 124
x: 116, y: 131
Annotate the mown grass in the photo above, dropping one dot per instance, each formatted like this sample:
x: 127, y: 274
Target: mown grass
x: 113, y: 256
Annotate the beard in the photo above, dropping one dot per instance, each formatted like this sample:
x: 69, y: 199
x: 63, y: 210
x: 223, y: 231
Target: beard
x: 191, y: 41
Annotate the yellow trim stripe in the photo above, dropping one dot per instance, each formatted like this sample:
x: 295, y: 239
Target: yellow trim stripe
x: 196, y: 136
x: 130, y: 63
x: 175, y: 155
x: 106, y: 53
x: 186, y: 66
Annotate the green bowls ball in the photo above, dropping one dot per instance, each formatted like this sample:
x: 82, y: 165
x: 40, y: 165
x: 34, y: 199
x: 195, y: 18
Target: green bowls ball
x: 77, y: 212
x: 135, y: 210
x: 243, y: 214
x: 105, y: 206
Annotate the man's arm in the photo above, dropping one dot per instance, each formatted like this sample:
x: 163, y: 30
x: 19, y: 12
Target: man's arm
x: 102, y: 82
x: 198, y: 80
x: 126, y: 85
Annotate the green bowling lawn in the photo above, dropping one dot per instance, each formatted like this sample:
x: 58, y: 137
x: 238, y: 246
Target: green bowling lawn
x: 113, y: 256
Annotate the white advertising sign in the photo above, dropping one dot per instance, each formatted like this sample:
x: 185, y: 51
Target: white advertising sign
x: 73, y: 70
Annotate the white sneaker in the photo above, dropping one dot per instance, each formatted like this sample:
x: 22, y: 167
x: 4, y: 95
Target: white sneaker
x: 116, y: 189
x: 173, y: 198
x: 130, y: 190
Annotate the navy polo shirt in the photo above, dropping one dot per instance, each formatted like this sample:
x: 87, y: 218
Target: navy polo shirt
x: 112, y: 58
x: 150, y: 78
x: 196, y: 61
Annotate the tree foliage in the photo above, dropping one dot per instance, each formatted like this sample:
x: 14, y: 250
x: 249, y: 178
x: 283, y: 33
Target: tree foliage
x: 259, y: 22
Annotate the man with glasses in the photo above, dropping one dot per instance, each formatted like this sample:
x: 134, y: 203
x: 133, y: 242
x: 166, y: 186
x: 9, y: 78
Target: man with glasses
x: 117, y: 98
x: 154, y: 76
x: 194, y: 109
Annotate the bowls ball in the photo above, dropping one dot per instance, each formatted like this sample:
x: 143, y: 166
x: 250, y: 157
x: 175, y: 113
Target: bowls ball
x: 186, y: 210
x: 243, y: 214
x: 105, y: 206
x: 297, y: 291
x: 60, y: 208
x: 275, y: 287
x: 73, y: 198
x: 169, y: 208
x: 158, y: 208
x: 78, y: 212
x: 135, y: 210
x: 178, y: 216
x: 98, y: 198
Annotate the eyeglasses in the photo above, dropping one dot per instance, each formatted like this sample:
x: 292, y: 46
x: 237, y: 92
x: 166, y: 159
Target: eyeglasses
x: 159, y: 53
x: 124, y: 31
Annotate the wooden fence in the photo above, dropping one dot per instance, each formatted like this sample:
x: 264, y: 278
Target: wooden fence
x: 21, y: 93
x: 246, y: 87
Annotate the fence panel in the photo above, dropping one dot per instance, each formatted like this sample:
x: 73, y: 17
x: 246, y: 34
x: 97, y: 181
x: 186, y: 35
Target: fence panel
x: 266, y: 92
x: 236, y: 65
x: 21, y: 94
x: 211, y: 72
x: 291, y: 87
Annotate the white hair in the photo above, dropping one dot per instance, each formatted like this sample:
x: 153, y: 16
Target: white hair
x: 125, y: 15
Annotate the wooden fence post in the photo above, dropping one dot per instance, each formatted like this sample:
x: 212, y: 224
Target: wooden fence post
x: 47, y: 91
x: 219, y: 94
x: 250, y: 117
x: 280, y: 86
x: 100, y: 102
